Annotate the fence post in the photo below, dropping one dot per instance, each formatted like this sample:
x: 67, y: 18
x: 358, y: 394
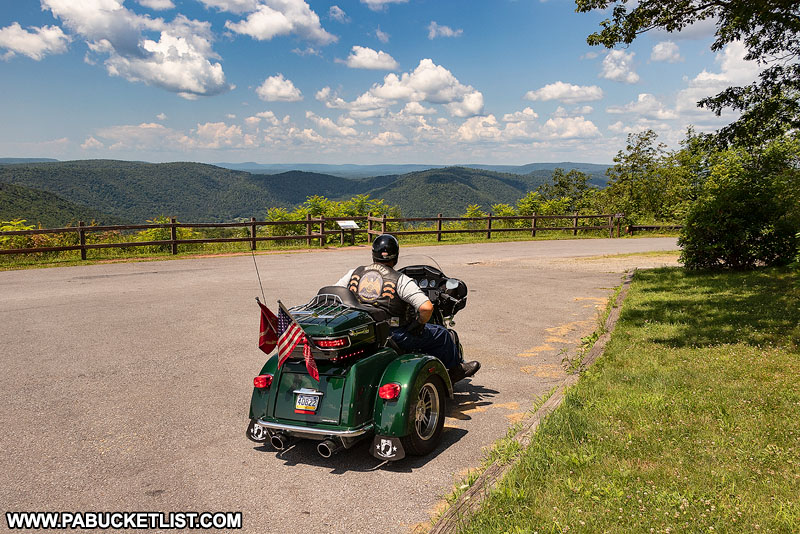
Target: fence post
x: 610, y: 226
x: 308, y: 229
x: 341, y: 242
x: 533, y: 225
x: 173, y: 235
x: 619, y: 222
x: 82, y: 239
x: 439, y: 227
x: 489, y: 226
x: 575, y: 224
x: 252, y: 233
x: 369, y: 227
x: 383, y: 224
x: 322, y: 230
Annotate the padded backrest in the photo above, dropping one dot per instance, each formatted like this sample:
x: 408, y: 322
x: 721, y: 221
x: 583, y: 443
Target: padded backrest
x: 349, y: 299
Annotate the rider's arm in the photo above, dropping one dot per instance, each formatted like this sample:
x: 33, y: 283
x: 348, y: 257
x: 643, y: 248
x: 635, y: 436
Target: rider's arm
x: 409, y: 291
x: 425, y: 311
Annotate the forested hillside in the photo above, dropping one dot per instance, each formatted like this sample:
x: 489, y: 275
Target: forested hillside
x: 139, y: 191
x: 136, y: 192
x: 450, y: 190
x: 47, y: 209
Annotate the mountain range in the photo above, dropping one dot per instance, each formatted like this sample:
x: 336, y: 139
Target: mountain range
x: 365, y: 171
x: 56, y: 193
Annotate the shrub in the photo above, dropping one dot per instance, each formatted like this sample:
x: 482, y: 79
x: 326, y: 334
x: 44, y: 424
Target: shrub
x: 15, y: 241
x: 748, y: 212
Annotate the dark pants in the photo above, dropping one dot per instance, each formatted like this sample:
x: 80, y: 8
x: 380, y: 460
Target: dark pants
x: 434, y: 340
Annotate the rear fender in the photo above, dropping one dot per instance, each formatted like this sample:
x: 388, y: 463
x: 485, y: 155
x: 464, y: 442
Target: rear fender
x: 260, y: 401
x: 393, y: 417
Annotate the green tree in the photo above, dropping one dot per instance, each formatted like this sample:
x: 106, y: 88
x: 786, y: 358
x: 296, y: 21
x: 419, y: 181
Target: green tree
x: 529, y: 204
x: 573, y: 185
x: 504, y: 210
x: 634, y: 182
x: 770, y: 31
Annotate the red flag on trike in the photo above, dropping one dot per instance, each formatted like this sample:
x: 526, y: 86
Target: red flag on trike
x: 268, y: 336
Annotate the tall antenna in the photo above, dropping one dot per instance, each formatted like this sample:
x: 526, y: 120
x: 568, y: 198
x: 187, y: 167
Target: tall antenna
x: 259, y: 277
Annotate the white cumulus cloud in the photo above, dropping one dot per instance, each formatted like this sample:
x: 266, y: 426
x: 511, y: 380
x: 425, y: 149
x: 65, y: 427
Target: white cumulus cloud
x: 646, y: 105
x: 282, y: 17
x: 278, y: 89
x: 366, y: 58
x: 734, y: 70
x: 157, y: 5
x: 35, y: 44
x: 618, y: 66
x: 175, y: 55
x: 381, y: 35
x: 377, y: 5
x: 344, y: 128
x: 429, y: 83
x: 569, y: 128
x: 435, y: 30
x: 415, y: 108
x: 565, y: 92
x: 525, y: 115
x: 233, y: 6
x: 666, y: 51
x: 337, y: 13
x: 479, y: 129
x: 92, y: 144
x: 389, y: 139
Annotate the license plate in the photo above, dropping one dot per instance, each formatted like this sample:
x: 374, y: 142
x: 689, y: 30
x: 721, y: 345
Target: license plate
x: 306, y: 403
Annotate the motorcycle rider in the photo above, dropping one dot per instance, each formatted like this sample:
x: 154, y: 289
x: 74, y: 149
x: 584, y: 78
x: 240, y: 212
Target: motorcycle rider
x: 380, y: 285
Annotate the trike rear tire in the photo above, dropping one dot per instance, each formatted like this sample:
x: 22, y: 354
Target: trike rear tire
x: 427, y: 410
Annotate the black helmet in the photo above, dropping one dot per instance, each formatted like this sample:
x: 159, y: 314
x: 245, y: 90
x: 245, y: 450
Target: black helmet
x: 385, y: 249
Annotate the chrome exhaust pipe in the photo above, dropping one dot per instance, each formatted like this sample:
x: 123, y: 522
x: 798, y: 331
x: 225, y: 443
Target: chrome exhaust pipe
x: 280, y: 441
x: 328, y: 448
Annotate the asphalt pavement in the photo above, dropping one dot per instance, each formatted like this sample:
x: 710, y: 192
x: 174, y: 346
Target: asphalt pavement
x: 126, y: 386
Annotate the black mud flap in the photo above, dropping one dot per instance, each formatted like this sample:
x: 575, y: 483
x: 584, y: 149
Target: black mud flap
x: 256, y: 432
x: 388, y: 448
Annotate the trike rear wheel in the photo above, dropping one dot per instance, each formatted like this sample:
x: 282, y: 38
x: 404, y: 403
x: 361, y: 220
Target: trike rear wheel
x: 428, y: 412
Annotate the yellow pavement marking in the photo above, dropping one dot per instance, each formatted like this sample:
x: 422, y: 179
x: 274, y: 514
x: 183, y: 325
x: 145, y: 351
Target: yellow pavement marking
x: 514, y: 418
x: 559, y: 334
x: 544, y: 370
x: 534, y: 351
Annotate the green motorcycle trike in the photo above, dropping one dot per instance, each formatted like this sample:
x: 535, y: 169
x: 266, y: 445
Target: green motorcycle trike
x: 368, y: 387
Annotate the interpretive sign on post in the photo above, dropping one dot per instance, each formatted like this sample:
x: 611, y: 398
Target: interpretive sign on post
x: 348, y: 225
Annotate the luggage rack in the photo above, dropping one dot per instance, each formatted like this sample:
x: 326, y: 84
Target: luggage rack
x: 325, y: 306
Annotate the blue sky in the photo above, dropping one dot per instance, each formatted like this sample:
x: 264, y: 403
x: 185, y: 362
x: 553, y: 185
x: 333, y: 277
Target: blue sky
x: 335, y: 81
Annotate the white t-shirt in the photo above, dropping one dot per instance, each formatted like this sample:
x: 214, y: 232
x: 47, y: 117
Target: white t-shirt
x: 407, y: 289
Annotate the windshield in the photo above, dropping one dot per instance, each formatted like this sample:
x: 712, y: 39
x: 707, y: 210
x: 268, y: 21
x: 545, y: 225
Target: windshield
x: 406, y: 260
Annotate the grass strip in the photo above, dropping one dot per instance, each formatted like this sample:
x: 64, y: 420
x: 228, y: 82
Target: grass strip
x: 690, y: 421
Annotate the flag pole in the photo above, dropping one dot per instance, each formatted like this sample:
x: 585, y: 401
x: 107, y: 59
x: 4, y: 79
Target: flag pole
x: 259, y: 277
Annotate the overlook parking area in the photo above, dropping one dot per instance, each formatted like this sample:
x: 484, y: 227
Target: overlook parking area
x: 126, y: 386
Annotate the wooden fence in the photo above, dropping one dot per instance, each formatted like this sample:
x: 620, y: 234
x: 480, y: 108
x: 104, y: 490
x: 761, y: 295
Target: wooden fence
x: 316, y: 230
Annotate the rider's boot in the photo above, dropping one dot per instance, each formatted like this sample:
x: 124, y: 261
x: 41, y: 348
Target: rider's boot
x: 463, y: 370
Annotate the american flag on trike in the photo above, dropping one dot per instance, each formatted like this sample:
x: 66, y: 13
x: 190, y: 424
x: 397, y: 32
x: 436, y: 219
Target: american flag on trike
x: 290, y: 334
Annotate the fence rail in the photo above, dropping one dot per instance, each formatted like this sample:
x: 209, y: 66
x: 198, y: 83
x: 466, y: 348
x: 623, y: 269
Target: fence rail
x: 315, y: 230
x: 633, y: 228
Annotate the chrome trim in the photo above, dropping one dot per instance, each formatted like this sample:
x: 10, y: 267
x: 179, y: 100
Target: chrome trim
x: 306, y: 391
x: 317, y: 431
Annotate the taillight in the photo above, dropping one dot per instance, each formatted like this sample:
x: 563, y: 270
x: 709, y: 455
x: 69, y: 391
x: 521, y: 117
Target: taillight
x: 262, y: 381
x: 335, y: 343
x: 389, y: 391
